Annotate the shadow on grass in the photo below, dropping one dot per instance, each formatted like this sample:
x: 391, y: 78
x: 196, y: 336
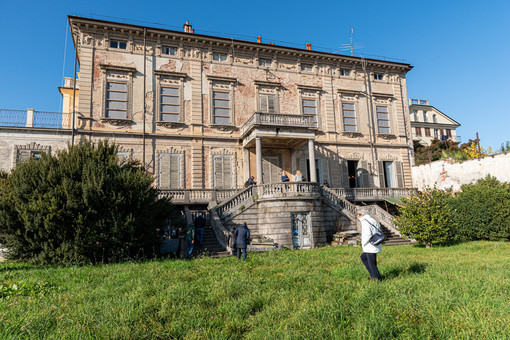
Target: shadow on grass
x: 414, y: 268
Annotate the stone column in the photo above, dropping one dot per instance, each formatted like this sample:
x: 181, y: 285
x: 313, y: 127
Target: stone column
x: 311, y: 156
x: 258, y: 152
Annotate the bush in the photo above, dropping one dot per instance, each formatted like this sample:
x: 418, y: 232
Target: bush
x: 80, y: 206
x: 483, y: 210
x: 426, y: 217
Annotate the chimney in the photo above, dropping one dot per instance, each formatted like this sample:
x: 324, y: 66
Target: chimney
x: 187, y: 28
x: 259, y: 39
x: 308, y: 46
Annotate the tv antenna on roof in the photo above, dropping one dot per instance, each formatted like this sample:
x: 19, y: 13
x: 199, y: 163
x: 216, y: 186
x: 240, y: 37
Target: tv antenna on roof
x: 351, y: 46
x: 352, y: 49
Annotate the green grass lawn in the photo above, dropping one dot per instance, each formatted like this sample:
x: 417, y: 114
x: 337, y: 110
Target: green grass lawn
x: 461, y: 291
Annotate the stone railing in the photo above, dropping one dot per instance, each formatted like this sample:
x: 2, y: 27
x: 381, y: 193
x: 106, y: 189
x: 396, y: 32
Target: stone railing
x: 372, y: 194
x: 235, y: 201
x: 349, y: 209
x: 271, y: 119
x: 197, y: 195
x: 288, y: 189
x: 221, y: 233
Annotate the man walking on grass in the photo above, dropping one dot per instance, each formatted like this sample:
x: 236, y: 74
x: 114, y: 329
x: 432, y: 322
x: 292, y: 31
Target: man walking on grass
x: 369, y: 257
x: 242, y: 234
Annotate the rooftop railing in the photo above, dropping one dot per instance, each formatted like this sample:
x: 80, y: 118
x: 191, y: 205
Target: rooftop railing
x: 35, y: 119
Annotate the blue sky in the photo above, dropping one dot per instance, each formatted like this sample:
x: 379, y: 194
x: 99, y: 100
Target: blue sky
x: 459, y: 49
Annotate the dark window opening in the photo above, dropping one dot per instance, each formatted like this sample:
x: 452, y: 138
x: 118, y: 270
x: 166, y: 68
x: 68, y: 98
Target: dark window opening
x: 351, y: 169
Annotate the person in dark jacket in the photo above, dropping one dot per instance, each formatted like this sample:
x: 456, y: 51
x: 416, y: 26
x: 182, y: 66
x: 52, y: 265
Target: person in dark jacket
x: 285, y: 178
x: 232, y: 240
x: 199, y: 228
x: 242, y: 234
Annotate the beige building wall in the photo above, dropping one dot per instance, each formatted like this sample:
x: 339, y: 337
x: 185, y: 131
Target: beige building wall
x: 247, y: 71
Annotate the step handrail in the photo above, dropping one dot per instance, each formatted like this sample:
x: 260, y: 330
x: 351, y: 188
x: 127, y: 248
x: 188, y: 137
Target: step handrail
x: 232, y: 202
x: 383, y: 217
x: 221, y: 233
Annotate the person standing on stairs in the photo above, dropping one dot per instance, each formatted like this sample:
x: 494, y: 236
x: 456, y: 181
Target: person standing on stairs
x: 190, y: 238
x: 242, y: 234
x: 199, y: 228
x: 369, y: 257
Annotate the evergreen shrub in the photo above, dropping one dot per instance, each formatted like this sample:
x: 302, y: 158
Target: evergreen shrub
x: 482, y: 210
x: 80, y: 206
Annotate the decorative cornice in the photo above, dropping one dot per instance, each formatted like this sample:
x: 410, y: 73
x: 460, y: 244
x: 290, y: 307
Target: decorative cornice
x: 309, y: 87
x: 386, y: 136
x: 352, y: 134
x: 385, y: 95
x: 117, y: 68
x: 224, y: 127
x: 353, y: 92
x: 267, y: 83
x: 227, y: 79
x: 170, y: 74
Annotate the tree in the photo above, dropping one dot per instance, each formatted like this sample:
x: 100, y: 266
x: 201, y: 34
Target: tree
x: 482, y: 210
x: 80, y: 206
x: 433, y: 152
x: 426, y: 216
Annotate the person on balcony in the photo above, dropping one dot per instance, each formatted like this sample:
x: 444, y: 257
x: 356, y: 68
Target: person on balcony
x: 326, y: 184
x: 298, y: 177
x: 285, y: 178
x: 242, y: 234
x: 369, y: 257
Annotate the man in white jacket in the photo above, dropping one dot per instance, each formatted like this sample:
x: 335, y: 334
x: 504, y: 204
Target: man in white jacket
x: 369, y: 257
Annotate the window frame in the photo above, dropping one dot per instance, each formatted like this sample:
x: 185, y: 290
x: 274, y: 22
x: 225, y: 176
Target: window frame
x: 417, y: 131
x: 180, y: 173
x: 345, y: 72
x: 220, y: 57
x: 308, y: 68
x: 262, y: 62
x: 352, y: 102
x: 108, y: 100
x: 119, y: 43
x: 169, y: 48
x: 223, y: 157
x: 113, y: 73
x: 222, y: 85
x: 427, y: 132
x: 378, y: 76
x: 387, y: 112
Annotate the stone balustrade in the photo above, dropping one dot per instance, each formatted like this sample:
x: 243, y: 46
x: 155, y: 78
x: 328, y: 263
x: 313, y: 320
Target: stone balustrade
x: 186, y: 196
x: 285, y: 120
x: 372, y: 194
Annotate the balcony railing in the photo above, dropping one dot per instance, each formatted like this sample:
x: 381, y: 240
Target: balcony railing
x: 372, y: 194
x: 35, y: 119
x: 204, y: 196
x: 286, y: 120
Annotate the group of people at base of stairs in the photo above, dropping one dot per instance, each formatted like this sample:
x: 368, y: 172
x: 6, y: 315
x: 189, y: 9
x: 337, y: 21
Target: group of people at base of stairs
x: 194, y: 231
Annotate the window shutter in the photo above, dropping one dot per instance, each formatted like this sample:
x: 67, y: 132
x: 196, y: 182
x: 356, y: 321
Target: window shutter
x: 363, y: 166
x: 227, y: 172
x: 218, y: 172
x: 399, y: 172
x: 23, y: 155
x: 263, y: 103
x: 382, y: 182
x: 164, y: 171
x: 344, y: 174
x: 175, y: 171
x: 325, y: 170
x: 270, y: 104
x: 266, y: 175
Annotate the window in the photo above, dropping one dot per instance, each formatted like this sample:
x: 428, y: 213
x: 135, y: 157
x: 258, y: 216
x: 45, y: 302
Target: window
x: 264, y: 62
x: 170, y: 107
x: 427, y: 132
x: 116, y: 99
x: 378, y: 76
x: 221, y: 107
x: 169, y: 171
x: 169, y: 50
x: 425, y: 116
x: 309, y: 108
x: 434, y: 118
x: 219, y: 57
x: 436, y: 133
x: 267, y: 103
x: 122, y: 156
x: 118, y: 44
x: 222, y: 168
x: 418, y: 131
x: 345, y: 72
x: 449, y: 133
x: 307, y: 67
x: 349, y: 117
x: 414, y: 101
x: 35, y: 155
x: 383, y: 119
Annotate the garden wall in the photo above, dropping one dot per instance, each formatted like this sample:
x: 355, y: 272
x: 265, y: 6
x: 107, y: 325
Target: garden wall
x: 446, y: 173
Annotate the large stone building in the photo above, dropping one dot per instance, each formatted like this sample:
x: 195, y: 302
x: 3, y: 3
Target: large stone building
x: 428, y: 123
x: 205, y: 113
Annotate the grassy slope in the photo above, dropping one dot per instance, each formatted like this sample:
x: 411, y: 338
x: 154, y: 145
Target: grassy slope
x: 452, y: 292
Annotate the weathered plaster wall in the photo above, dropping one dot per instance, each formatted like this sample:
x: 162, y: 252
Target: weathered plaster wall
x: 445, y: 174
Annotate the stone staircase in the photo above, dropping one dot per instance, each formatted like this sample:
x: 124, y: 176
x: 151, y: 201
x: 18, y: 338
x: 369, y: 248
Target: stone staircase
x: 210, y: 247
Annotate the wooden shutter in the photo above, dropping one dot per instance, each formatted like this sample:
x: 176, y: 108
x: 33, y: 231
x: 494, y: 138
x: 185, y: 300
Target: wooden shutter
x: 382, y: 182
x: 164, y: 171
x: 218, y: 171
x: 363, y: 166
x: 263, y: 103
x: 266, y: 177
x: 325, y: 170
x: 344, y: 174
x: 399, y: 173
x: 271, y: 108
x: 175, y: 171
x: 23, y: 155
x: 227, y: 172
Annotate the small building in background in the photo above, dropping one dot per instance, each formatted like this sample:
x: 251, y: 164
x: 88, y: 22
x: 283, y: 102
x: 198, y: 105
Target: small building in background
x: 428, y: 123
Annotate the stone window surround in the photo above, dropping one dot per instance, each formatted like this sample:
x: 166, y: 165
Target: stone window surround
x: 220, y: 83
x: 276, y: 87
x: 32, y: 147
x: 124, y: 73
x: 310, y: 92
x: 180, y: 79
x: 382, y: 99
x: 355, y: 100
x: 173, y: 151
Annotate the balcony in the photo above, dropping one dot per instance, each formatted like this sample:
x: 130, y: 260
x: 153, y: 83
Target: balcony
x: 285, y: 128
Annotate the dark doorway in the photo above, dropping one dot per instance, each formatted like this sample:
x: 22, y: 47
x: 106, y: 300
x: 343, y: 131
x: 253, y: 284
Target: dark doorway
x: 351, y: 167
